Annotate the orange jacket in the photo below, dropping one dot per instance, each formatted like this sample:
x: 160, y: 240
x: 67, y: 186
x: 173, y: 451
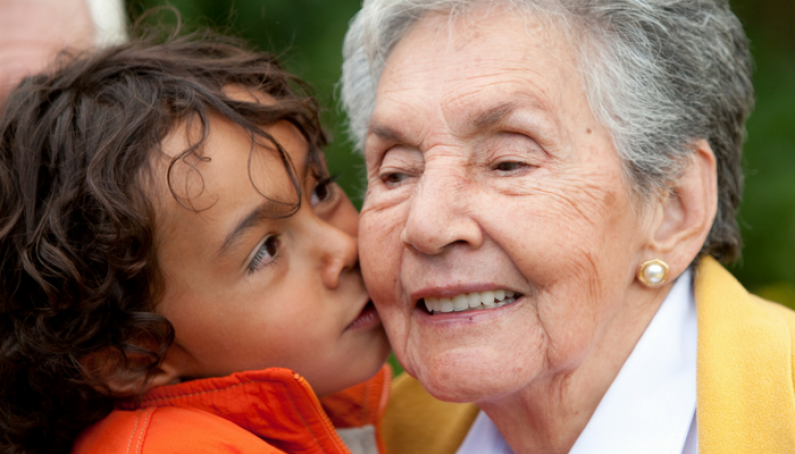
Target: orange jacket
x: 266, y: 411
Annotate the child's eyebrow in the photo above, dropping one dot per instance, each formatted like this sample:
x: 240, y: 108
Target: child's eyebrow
x: 261, y: 213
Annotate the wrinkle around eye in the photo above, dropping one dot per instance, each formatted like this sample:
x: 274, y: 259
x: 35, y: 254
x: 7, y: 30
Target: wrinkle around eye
x: 519, y: 144
x: 384, y: 201
x: 393, y: 179
x: 399, y: 166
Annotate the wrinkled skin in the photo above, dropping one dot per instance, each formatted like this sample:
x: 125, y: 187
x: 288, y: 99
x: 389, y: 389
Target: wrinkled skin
x: 487, y: 170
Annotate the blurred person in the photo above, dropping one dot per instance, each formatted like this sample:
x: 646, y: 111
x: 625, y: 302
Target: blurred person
x: 32, y: 32
x: 552, y: 185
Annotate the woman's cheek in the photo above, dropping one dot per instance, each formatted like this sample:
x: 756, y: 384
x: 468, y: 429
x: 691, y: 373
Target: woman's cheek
x: 380, y: 250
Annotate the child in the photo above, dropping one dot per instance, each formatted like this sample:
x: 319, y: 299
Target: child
x: 174, y: 255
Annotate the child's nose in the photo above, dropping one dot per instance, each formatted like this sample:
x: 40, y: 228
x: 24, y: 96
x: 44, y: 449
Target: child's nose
x: 340, y: 253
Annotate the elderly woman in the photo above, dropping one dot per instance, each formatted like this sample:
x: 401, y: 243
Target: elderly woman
x: 551, y: 184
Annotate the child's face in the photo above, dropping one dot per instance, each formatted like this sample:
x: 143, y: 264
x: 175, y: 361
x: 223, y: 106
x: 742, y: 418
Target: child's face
x: 245, y: 292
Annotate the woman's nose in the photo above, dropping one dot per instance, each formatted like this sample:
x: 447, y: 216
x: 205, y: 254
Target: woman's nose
x: 441, y: 213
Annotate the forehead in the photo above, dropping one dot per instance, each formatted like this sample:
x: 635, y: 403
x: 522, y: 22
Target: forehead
x: 231, y: 158
x: 478, y: 62
x: 231, y: 173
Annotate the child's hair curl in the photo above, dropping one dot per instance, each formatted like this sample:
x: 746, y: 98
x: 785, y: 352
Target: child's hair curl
x: 79, y: 276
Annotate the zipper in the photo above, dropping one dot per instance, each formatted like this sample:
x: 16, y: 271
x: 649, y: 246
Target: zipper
x: 323, y: 416
x: 384, y: 398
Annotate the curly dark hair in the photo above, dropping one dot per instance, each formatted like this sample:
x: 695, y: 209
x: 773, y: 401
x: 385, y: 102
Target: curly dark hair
x: 79, y: 261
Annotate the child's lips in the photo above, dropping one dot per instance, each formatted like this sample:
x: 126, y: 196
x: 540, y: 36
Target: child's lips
x: 367, y: 318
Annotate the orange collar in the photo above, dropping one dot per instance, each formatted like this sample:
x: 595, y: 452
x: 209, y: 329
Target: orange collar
x: 274, y: 403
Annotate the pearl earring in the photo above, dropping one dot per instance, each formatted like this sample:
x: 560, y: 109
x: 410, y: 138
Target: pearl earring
x: 653, y: 273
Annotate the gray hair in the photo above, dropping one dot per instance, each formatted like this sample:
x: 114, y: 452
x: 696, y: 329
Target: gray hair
x: 659, y: 74
x: 110, y: 22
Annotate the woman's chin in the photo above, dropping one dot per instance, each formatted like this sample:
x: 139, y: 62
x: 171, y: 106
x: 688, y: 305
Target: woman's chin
x: 455, y: 377
x: 469, y: 389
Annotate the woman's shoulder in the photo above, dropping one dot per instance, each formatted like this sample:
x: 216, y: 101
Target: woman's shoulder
x: 724, y: 308
x: 415, y: 421
x: 746, y: 367
x: 157, y: 430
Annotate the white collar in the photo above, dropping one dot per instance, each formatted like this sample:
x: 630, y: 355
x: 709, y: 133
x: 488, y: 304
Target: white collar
x: 650, y: 406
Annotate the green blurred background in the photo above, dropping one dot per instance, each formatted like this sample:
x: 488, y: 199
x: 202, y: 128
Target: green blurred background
x: 308, y: 35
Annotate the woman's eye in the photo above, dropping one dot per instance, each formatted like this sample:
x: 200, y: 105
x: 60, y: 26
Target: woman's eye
x: 394, y: 178
x: 323, y: 191
x: 266, y: 254
x: 510, y: 166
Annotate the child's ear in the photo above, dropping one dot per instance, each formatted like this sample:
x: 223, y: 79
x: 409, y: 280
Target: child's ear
x: 161, y: 375
x: 126, y: 374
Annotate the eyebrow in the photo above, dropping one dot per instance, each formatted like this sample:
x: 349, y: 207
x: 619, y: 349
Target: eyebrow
x: 480, y: 120
x: 492, y: 116
x: 254, y: 218
x: 386, y: 133
x: 261, y: 213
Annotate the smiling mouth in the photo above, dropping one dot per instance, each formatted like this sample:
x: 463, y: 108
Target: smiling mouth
x: 476, y: 301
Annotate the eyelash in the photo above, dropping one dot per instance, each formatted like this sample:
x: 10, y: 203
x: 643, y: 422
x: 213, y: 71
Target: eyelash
x: 273, y: 241
x: 514, y: 166
x: 327, y: 183
x: 270, y: 242
x: 393, y: 179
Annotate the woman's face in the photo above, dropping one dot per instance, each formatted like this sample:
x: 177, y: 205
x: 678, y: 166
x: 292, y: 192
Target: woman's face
x: 489, y: 176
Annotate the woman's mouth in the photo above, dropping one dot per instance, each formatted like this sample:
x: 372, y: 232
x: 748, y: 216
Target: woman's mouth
x: 368, y: 318
x: 475, y: 301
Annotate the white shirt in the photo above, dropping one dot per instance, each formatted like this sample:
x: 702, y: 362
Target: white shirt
x: 650, y: 407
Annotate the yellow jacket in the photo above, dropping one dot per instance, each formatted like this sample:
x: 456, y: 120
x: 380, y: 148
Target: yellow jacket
x: 745, y: 380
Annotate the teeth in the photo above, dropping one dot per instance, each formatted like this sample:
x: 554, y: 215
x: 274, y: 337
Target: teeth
x: 460, y: 303
x: 430, y: 303
x: 487, y: 297
x: 471, y: 301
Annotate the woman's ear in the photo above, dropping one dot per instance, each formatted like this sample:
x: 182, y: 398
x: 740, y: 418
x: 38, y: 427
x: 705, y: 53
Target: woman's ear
x: 685, y: 215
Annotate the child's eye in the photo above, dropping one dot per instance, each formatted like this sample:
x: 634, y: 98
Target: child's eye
x: 323, y: 191
x: 266, y: 254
